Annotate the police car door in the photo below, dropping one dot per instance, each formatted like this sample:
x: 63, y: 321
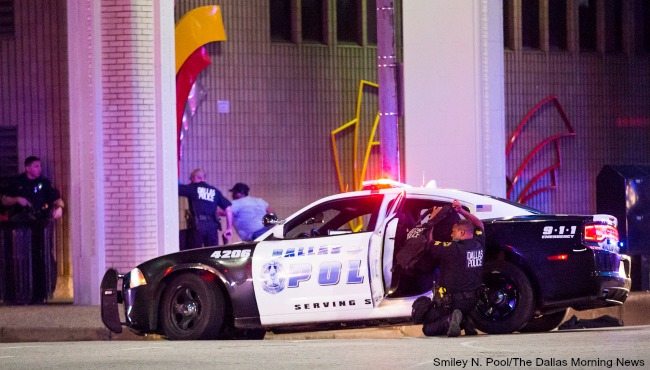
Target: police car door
x: 318, y: 271
x: 380, y: 248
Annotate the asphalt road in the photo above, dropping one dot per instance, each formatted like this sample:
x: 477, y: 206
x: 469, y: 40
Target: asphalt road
x: 614, y: 348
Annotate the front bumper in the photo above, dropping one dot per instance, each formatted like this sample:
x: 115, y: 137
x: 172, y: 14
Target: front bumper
x: 110, y: 298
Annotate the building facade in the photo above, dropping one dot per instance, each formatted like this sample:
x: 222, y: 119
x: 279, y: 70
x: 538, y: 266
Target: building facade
x: 88, y: 85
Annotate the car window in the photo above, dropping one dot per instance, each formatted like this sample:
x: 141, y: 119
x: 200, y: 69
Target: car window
x: 341, y: 216
x: 416, y: 211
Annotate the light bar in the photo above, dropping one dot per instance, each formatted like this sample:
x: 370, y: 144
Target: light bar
x: 383, y: 184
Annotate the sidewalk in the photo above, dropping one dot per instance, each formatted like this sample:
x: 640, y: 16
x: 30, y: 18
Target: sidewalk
x: 59, y: 322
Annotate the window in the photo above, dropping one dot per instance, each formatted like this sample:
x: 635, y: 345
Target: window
x: 642, y: 25
x: 6, y: 18
x: 507, y: 24
x: 347, y: 21
x: 8, y: 154
x: 280, y: 14
x: 416, y: 212
x: 613, y: 26
x: 557, y: 25
x: 371, y: 19
x: 312, y: 20
x: 587, y: 24
x: 336, y: 217
x: 530, y: 24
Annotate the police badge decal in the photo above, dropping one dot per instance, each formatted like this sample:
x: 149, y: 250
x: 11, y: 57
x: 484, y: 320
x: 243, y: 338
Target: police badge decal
x: 273, y: 277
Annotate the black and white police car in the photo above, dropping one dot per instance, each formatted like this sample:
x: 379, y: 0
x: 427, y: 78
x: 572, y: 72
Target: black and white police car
x: 330, y: 265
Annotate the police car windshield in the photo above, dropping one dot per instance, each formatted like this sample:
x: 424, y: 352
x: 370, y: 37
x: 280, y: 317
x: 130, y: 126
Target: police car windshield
x: 514, y: 204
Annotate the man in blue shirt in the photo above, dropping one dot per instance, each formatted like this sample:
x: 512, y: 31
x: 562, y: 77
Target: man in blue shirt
x: 248, y: 212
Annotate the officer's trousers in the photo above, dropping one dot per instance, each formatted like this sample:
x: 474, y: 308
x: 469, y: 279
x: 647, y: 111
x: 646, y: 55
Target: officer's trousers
x: 205, y: 234
x: 438, y: 317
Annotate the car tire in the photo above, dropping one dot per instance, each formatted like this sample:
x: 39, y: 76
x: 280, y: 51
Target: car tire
x: 508, y: 302
x: 192, y: 308
x: 544, y: 323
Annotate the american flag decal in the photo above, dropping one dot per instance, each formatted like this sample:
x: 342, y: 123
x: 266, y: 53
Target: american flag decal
x: 484, y: 208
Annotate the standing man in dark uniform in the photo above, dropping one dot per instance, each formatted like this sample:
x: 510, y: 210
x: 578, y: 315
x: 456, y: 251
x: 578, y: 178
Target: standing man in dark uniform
x: 461, y: 270
x: 203, y: 227
x: 34, y: 203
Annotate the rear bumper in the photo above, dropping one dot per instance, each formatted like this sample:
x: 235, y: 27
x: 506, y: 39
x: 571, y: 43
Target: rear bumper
x: 608, y: 288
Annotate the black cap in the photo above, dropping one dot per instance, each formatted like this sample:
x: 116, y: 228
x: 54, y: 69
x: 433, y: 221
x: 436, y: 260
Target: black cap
x: 240, y: 187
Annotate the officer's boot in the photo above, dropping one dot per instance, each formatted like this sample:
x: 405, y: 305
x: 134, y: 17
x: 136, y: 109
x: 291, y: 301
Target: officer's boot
x: 468, y: 325
x: 454, y: 323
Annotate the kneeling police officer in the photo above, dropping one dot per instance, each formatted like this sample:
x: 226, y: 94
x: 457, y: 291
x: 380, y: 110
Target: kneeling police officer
x: 461, y: 269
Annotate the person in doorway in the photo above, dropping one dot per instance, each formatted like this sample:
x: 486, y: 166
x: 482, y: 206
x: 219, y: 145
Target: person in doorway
x: 461, y: 269
x: 203, y: 225
x: 248, y: 212
x: 34, y: 204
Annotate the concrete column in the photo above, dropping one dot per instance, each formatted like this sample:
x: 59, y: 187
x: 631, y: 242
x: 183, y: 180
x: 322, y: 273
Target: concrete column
x: 386, y: 76
x: 86, y: 203
x: 138, y: 104
x: 165, y: 104
x: 454, y: 94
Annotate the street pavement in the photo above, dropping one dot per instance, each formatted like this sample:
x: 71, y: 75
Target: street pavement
x: 65, y: 322
x: 612, y: 348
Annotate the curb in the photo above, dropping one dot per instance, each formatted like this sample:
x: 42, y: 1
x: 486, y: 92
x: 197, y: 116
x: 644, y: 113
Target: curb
x: 632, y: 313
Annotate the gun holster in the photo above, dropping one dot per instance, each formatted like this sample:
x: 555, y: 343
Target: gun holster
x: 440, y: 297
x: 190, y: 220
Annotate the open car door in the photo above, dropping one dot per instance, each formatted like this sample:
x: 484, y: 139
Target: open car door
x: 380, y: 249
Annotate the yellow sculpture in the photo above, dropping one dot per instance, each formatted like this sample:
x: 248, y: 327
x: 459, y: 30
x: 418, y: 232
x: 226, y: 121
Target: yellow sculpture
x: 197, y: 28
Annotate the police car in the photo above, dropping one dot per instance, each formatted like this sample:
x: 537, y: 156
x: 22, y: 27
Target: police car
x: 331, y: 265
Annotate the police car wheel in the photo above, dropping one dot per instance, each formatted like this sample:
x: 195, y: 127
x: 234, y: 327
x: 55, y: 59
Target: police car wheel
x: 544, y: 323
x: 192, y: 308
x: 509, y: 302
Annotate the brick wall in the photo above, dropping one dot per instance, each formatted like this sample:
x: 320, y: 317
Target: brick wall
x: 129, y: 132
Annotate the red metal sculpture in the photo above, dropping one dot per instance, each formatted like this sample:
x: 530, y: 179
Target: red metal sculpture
x: 527, y: 192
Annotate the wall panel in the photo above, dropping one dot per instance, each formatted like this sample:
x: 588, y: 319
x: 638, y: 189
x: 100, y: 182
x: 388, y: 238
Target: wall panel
x: 34, y: 98
x: 285, y: 98
x: 597, y: 92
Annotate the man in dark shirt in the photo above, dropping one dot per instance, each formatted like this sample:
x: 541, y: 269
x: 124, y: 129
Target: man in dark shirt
x: 203, y: 228
x: 33, y: 202
x: 30, y: 192
x: 461, y: 268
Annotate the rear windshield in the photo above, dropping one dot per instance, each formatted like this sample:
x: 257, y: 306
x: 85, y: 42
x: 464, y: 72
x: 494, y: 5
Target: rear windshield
x: 514, y: 204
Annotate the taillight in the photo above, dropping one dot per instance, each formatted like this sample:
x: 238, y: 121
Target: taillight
x: 598, y: 233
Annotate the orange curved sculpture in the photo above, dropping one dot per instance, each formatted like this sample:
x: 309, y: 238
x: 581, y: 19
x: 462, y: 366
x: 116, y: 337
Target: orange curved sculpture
x: 197, y: 28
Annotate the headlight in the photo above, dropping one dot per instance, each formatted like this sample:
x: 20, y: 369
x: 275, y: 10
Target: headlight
x: 136, y: 278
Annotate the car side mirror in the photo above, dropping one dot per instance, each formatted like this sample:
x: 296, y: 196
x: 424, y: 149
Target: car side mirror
x: 270, y: 219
